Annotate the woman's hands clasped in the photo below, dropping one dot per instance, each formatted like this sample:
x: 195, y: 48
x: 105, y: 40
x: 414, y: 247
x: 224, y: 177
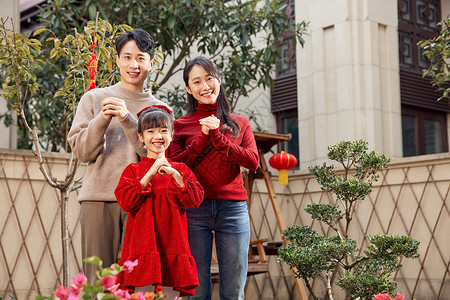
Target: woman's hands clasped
x: 209, y: 123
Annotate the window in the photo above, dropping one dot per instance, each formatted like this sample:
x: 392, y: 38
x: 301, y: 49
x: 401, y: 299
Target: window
x: 423, y: 117
x: 424, y: 131
x: 287, y: 123
x: 284, y: 93
x: 417, y: 20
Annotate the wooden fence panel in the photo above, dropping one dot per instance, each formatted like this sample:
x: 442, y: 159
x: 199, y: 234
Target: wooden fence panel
x: 411, y: 197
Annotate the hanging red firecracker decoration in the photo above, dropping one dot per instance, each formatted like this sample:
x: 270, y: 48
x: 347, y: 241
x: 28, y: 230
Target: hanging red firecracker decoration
x: 92, y: 66
x: 283, y: 161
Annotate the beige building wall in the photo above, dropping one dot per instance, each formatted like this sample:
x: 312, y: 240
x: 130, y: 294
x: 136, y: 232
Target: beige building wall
x: 9, y: 8
x: 348, y: 77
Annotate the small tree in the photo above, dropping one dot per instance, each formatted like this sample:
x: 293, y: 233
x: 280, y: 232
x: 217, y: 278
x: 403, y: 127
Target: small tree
x: 20, y: 60
x: 314, y: 255
x: 437, y: 50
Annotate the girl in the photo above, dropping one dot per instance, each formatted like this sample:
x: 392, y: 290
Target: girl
x: 155, y: 193
x: 215, y: 143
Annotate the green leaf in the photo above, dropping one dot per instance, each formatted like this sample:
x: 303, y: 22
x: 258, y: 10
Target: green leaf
x: 40, y: 297
x: 92, y: 11
x: 39, y: 31
x: 68, y: 39
x: 95, y: 260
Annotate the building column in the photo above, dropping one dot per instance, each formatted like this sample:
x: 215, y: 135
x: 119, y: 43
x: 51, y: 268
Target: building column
x: 9, y: 134
x: 348, y: 77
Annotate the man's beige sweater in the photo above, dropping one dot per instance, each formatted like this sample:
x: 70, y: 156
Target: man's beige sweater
x: 107, y: 146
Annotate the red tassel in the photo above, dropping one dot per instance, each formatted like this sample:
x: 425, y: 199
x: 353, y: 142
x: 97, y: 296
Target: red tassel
x: 92, y: 67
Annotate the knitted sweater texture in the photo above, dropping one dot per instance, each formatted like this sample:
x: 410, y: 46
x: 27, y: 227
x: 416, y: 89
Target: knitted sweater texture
x: 219, y: 171
x: 108, y: 146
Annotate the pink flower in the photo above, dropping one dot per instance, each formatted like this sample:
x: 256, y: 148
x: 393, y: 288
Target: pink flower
x: 122, y: 294
x: 80, y: 279
x: 108, y: 282
x: 140, y: 296
x: 381, y: 296
x: 62, y: 293
x: 77, y: 284
x: 74, y: 290
x: 129, y: 265
x: 399, y: 297
x: 72, y: 297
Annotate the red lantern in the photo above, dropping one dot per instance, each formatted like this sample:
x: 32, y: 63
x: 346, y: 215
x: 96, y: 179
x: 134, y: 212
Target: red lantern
x: 283, y: 161
x: 92, y: 66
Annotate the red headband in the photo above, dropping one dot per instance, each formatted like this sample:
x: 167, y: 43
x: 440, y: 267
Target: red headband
x: 156, y: 105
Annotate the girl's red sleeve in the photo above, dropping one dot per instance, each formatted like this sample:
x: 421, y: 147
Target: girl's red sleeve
x: 192, y: 192
x: 129, y: 192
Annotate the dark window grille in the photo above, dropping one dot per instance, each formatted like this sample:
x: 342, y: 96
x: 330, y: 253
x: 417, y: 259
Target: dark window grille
x: 417, y: 20
x: 423, y: 117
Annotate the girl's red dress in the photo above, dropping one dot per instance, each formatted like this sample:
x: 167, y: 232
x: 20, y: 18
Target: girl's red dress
x: 156, y: 231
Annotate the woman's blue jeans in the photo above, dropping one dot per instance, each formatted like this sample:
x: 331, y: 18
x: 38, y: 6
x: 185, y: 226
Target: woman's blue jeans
x: 230, y: 223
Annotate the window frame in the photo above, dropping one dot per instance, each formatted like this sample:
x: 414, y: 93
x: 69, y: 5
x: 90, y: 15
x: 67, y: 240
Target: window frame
x: 420, y: 114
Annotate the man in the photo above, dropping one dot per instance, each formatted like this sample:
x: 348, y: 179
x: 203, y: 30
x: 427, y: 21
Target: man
x: 104, y: 135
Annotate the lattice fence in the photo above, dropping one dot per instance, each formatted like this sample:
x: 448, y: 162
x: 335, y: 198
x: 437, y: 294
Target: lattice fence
x: 30, y: 224
x: 411, y: 197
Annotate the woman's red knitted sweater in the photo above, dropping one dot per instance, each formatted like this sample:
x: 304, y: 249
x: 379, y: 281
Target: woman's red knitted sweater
x: 219, y: 170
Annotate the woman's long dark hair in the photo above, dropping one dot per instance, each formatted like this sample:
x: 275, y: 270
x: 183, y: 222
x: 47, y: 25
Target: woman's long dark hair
x: 223, y: 104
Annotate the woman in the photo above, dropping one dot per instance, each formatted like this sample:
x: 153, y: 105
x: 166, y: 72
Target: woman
x: 215, y: 143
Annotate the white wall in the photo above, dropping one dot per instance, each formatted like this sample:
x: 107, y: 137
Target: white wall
x: 348, y: 77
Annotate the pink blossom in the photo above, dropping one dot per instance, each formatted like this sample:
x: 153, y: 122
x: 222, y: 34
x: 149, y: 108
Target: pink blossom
x: 72, y: 297
x: 129, y: 265
x: 140, y: 296
x: 381, y: 296
x: 80, y: 279
x: 77, y: 284
x: 399, y: 297
x: 122, y: 294
x: 108, y: 282
x: 74, y: 290
x: 62, y: 293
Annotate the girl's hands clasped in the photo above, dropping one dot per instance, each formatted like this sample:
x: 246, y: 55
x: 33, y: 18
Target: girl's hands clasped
x: 161, y: 166
x: 158, y: 166
x: 173, y: 172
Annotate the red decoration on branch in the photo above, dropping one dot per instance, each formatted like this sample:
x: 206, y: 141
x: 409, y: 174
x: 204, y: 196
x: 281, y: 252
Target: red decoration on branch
x: 283, y: 161
x: 92, y: 66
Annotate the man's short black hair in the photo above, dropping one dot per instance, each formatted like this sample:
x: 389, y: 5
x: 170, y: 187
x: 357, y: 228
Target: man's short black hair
x: 142, y: 38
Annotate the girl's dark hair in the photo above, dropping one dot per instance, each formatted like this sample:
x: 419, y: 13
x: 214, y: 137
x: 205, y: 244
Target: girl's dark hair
x: 223, y: 104
x: 142, y: 38
x: 154, y: 117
